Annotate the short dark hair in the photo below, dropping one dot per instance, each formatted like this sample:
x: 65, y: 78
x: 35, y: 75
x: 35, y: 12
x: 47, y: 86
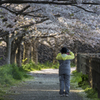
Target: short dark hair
x: 64, y: 50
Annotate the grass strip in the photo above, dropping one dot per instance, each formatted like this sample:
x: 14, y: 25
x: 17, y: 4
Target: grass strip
x: 81, y: 80
x: 31, y: 66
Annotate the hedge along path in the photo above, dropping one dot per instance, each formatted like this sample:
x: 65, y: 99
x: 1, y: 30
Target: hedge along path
x: 44, y: 86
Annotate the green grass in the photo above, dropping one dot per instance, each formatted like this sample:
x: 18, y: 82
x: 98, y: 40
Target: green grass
x: 10, y: 75
x: 91, y: 93
x: 31, y: 66
x: 82, y: 81
x: 76, y: 77
x: 1, y: 95
x: 72, y: 65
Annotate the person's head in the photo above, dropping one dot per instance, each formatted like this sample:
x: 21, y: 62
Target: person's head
x: 64, y: 50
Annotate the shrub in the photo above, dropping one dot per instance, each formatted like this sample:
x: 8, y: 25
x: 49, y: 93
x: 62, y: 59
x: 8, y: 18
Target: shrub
x: 77, y: 77
x: 91, y: 93
x: 10, y: 73
x: 31, y: 66
x: 73, y: 65
x: 5, y: 74
x: 16, y: 73
x: 82, y: 81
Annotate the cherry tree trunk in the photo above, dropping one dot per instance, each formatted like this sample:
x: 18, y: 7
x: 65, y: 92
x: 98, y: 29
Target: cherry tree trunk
x: 18, y: 56
x: 8, y: 50
x: 26, y: 53
x: 35, y: 52
x: 75, y: 52
x: 32, y: 56
x: 54, y: 56
x: 13, y: 57
x: 55, y: 51
x: 13, y: 53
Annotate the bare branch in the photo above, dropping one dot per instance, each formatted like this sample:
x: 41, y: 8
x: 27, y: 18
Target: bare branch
x: 43, y: 36
x: 58, y: 2
x: 2, y: 34
x: 42, y: 20
x: 37, y: 2
x: 26, y: 26
x: 89, y: 3
x: 83, y: 9
x: 23, y: 9
x: 18, y: 35
x: 8, y: 9
x: 33, y: 11
x: 24, y: 14
x: 16, y: 12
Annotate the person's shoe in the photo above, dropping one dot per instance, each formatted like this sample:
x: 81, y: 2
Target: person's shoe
x: 62, y: 95
x: 66, y: 95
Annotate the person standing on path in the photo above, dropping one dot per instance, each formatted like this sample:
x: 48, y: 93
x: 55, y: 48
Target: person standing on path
x: 64, y: 70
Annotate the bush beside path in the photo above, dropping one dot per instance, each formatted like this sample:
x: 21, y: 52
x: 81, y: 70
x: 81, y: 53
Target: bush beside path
x: 43, y: 86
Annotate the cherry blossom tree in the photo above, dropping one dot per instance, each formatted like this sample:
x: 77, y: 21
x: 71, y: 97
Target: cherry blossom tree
x: 77, y: 19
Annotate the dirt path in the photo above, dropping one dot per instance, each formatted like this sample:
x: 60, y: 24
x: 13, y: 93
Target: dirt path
x: 44, y: 86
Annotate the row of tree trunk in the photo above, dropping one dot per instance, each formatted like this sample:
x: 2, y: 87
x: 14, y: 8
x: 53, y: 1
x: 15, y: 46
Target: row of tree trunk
x: 21, y: 50
x: 18, y: 50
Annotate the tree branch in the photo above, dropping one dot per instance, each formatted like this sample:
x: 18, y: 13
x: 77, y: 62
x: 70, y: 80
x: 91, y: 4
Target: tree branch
x: 22, y: 12
x: 37, y: 22
x: 61, y: 2
x: 18, y: 35
x: 42, y: 20
x: 26, y: 13
x: 88, y: 3
x: 8, y: 9
x: 19, y: 12
x: 37, y: 2
x: 16, y: 12
x: 42, y: 36
x: 2, y: 34
x: 33, y: 11
x: 83, y: 9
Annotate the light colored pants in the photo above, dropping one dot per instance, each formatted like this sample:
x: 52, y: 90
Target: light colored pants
x: 64, y: 82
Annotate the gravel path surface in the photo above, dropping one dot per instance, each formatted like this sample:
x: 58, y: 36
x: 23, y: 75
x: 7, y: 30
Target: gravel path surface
x: 44, y: 86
